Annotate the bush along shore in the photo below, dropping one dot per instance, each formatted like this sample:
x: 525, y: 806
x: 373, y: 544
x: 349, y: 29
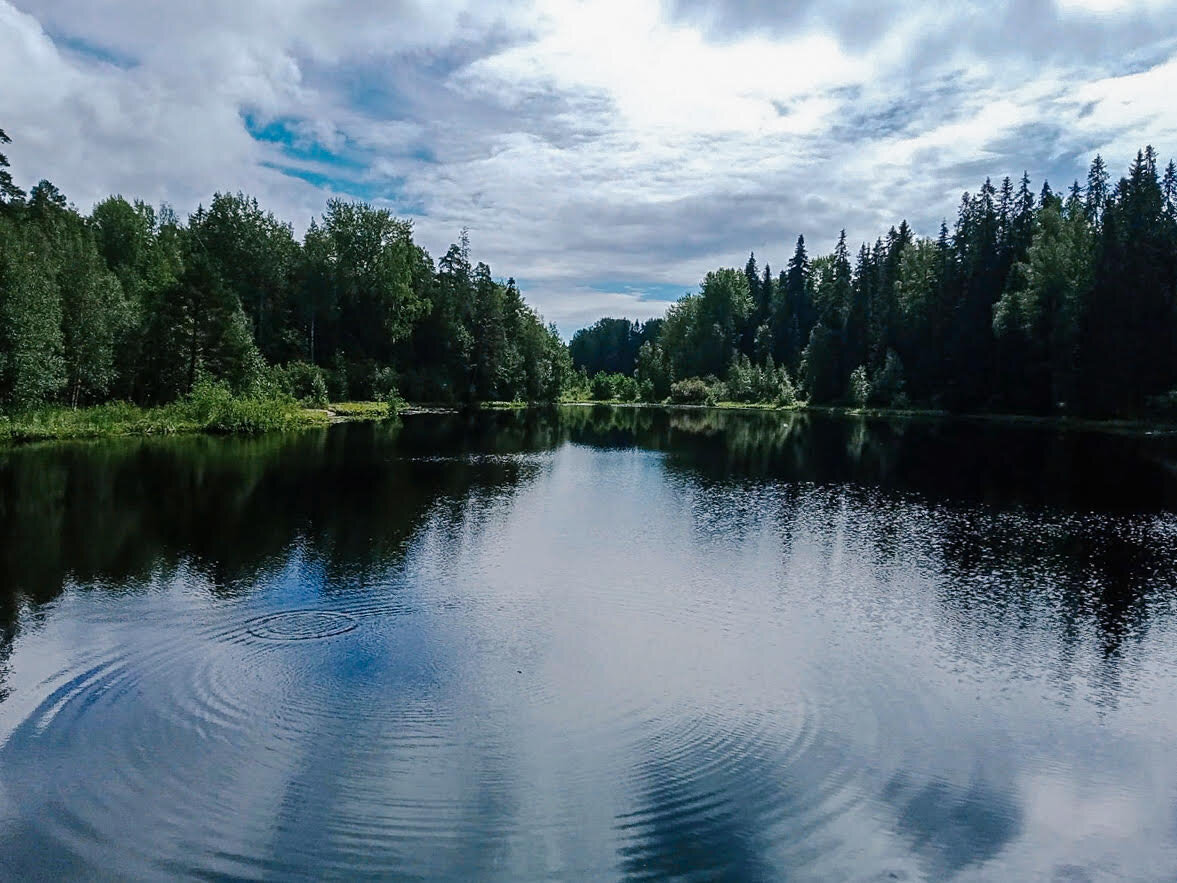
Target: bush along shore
x: 210, y: 408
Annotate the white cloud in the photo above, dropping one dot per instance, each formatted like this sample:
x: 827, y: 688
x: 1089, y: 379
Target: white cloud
x: 1110, y: 7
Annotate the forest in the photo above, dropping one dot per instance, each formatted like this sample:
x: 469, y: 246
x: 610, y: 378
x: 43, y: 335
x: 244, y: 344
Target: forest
x: 1032, y: 302
x: 130, y: 303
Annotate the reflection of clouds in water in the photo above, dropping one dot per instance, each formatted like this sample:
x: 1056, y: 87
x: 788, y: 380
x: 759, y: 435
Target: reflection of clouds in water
x: 953, y: 827
x: 709, y: 645
x: 1080, y: 820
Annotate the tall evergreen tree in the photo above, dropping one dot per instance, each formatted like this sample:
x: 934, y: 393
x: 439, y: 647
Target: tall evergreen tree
x: 1097, y: 190
x: 9, y: 192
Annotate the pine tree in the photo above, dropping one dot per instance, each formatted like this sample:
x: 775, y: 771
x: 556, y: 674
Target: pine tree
x: 748, y: 331
x: 9, y: 192
x: 793, y: 317
x: 490, y: 338
x: 1097, y: 190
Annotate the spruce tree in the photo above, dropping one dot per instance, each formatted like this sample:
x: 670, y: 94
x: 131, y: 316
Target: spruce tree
x: 1096, y: 196
x: 9, y: 192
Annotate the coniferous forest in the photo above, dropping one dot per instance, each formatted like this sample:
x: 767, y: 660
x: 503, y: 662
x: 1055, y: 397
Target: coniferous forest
x: 1031, y: 302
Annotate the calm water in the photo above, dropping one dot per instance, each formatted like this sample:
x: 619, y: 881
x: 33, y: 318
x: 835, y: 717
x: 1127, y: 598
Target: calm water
x: 592, y: 644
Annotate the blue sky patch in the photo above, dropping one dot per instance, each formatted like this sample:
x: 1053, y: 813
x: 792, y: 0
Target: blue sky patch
x: 92, y: 51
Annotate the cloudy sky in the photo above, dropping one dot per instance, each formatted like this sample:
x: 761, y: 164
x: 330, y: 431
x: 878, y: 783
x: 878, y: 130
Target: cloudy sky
x: 605, y: 153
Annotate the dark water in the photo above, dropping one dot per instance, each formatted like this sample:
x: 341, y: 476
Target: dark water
x: 592, y: 645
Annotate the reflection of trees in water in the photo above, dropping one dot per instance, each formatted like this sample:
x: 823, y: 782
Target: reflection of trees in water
x: 117, y: 514
x: 973, y: 461
x: 1092, y: 583
x: 1029, y: 524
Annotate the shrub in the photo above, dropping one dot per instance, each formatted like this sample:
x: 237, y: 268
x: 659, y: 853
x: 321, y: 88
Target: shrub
x: 749, y: 382
x: 601, y: 386
x: 626, y: 388
x: 384, y: 384
x: 214, y: 407
x: 299, y: 380
x: 691, y: 391
x: 317, y: 396
x: 859, y: 386
x: 786, y: 393
x: 307, y: 384
x: 394, y: 401
x: 743, y: 380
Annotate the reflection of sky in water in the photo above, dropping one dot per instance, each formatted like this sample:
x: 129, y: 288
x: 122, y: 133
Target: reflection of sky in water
x: 675, y: 658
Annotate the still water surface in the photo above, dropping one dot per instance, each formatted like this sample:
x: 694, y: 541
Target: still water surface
x: 592, y: 644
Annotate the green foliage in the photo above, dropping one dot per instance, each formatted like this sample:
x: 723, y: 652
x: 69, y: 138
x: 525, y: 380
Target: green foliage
x: 625, y: 388
x: 749, y: 382
x: 860, y: 386
x: 601, y: 387
x: 362, y: 410
x: 9, y: 192
x: 612, y: 345
x: 32, y: 367
x: 255, y: 257
x: 210, y: 408
x: 820, y: 365
x: 383, y: 383
x: 394, y: 402
x: 1026, y: 303
x: 1040, y: 316
x: 887, y: 387
x: 691, y: 391
x: 134, y: 303
x: 213, y: 407
x: 301, y: 381
x: 653, y: 373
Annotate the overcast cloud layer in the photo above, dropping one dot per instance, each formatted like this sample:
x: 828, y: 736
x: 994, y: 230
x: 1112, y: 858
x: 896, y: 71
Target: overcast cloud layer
x: 604, y: 153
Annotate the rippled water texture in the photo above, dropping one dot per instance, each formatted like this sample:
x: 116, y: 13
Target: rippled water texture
x: 592, y: 644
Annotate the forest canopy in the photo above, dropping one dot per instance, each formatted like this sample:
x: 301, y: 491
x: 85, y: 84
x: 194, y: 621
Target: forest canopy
x: 1032, y: 301
x: 132, y: 303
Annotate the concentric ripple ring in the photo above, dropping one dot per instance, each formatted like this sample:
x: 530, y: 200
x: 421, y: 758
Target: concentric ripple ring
x: 301, y: 625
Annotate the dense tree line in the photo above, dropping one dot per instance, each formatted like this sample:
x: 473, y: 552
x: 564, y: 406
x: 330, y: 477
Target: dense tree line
x: 611, y: 345
x: 130, y: 302
x: 1031, y: 302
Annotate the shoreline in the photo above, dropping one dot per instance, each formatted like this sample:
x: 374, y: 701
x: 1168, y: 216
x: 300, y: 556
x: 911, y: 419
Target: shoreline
x: 1125, y: 425
x: 128, y: 421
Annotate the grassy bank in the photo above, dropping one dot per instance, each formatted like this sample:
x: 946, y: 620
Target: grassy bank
x: 358, y: 410
x: 212, y: 409
x: 208, y: 409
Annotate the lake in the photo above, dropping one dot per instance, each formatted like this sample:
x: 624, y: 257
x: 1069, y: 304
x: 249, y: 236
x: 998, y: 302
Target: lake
x: 596, y: 644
